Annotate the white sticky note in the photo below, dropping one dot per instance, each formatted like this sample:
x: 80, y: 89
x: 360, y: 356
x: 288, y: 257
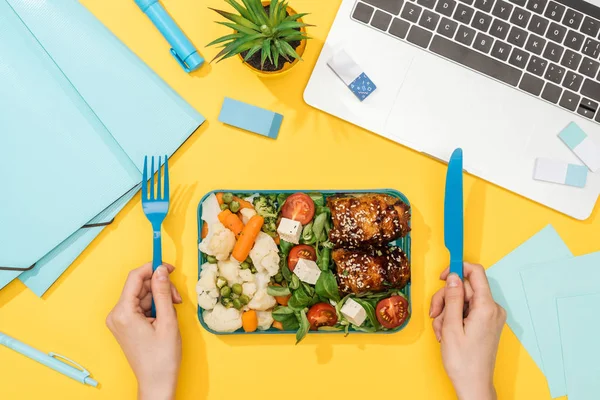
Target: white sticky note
x: 582, y: 145
x: 560, y: 172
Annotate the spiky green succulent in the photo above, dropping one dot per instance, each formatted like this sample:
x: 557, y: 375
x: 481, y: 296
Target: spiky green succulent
x: 256, y: 30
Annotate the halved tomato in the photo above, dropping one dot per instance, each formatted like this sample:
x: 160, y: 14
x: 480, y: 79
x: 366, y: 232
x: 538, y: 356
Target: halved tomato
x: 301, y: 251
x: 392, y: 312
x: 299, y: 207
x: 321, y: 314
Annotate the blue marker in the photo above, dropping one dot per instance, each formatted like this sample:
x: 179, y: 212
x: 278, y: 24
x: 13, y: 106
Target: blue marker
x: 181, y: 48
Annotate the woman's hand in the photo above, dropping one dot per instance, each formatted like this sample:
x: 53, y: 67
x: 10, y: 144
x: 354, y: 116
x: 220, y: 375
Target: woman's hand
x: 468, y: 323
x: 152, y: 346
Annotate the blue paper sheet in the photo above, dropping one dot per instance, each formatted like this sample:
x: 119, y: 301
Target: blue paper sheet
x: 543, y: 284
x: 505, y: 282
x: 579, y: 329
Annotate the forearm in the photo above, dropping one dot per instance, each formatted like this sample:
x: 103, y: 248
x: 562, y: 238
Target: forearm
x: 483, y: 392
x: 154, y: 392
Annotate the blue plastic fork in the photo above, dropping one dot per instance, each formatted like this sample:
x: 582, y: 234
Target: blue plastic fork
x: 156, y: 207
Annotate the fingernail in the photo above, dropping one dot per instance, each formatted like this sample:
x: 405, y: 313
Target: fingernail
x: 431, y: 311
x: 453, y: 281
x: 162, y: 273
x: 439, y: 339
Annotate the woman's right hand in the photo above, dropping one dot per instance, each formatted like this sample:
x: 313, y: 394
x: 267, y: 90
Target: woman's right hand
x: 468, y: 324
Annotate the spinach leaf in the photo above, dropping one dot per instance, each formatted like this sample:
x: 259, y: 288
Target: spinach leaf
x: 330, y: 328
x: 285, y: 271
x: 309, y: 289
x: 282, y: 314
x: 281, y: 197
x: 285, y: 247
x: 318, y: 199
x: 300, y: 299
x: 319, y: 225
x: 290, y: 324
x: 324, y: 259
x: 327, y: 286
x: 295, y: 282
x: 370, y: 310
x: 307, y: 234
x: 368, y: 329
x: 323, y: 209
x: 327, y: 245
x: 277, y: 291
x: 304, y: 326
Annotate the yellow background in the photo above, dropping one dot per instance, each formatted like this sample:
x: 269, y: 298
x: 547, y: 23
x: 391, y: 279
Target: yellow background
x: 313, y: 150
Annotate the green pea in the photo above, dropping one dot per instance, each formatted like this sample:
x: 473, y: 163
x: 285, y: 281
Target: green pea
x: 224, y: 207
x: 237, y: 304
x: 237, y: 289
x: 234, y: 206
x: 227, y: 198
x: 225, y: 291
x: 244, y: 265
x: 212, y: 259
x: 278, y: 278
x: 244, y: 299
x: 226, y: 301
x: 253, y: 269
x: 249, y: 260
x: 221, y: 282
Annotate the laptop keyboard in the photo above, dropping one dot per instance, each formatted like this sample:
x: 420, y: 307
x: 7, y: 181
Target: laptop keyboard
x: 548, y: 49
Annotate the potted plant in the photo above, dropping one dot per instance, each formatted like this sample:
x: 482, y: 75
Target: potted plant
x: 268, y: 36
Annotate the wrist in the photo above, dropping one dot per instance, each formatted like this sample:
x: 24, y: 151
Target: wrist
x: 477, y: 392
x: 156, y: 392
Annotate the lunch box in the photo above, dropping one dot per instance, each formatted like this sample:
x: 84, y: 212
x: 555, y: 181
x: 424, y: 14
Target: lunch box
x: 403, y: 243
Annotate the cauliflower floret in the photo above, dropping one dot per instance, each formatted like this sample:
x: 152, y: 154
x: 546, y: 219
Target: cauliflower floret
x: 262, y: 301
x: 247, y: 213
x: 219, y: 242
x: 262, y: 280
x: 249, y: 289
x: 222, y: 319
x: 265, y: 320
x: 246, y: 275
x: 230, y: 270
x: 211, y: 209
x: 265, y: 254
x: 206, y: 288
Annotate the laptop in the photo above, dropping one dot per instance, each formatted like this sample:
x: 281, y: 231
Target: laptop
x: 498, y: 78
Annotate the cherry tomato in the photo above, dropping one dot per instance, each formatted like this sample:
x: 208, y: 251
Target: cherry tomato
x: 301, y: 251
x: 392, y: 312
x: 299, y: 207
x: 321, y: 314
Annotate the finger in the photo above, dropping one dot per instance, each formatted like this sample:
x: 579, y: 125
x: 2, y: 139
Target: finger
x: 146, y: 288
x: 468, y: 292
x: 438, y: 322
x: 161, y: 292
x: 454, y: 297
x: 444, y: 274
x: 175, y: 295
x: 478, y: 280
x: 437, y: 304
x: 136, y: 278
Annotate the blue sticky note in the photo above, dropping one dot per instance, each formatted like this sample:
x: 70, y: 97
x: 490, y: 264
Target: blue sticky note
x: 250, y: 118
x: 507, y: 289
x: 580, y: 345
x: 543, y: 284
x: 572, y: 135
x: 362, y: 86
x: 576, y: 175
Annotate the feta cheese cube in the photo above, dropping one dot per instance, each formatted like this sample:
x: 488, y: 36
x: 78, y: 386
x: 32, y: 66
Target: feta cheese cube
x: 354, y: 312
x: 290, y: 230
x: 307, y: 271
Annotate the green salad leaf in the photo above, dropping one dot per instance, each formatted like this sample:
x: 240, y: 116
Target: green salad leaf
x: 301, y: 298
x: 324, y: 259
x: 327, y: 287
x: 304, y: 326
x: 318, y: 199
x: 319, y: 225
x: 277, y: 291
x: 370, y: 310
x: 295, y: 282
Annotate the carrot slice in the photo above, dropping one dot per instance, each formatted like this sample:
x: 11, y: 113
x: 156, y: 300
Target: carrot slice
x: 243, y: 203
x: 220, y: 198
x: 231, y: 221
x: 250, y: 321
x: 204, y: 229
x: 282, y: 300
x: 277, y: 240
x: 247, y: 238
x: 278, y: 325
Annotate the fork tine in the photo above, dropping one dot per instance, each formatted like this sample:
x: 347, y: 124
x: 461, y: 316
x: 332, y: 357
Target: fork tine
x: 166, y: 187
x: 159, y: 181
x: 152, y: 180
x: 145, y: 180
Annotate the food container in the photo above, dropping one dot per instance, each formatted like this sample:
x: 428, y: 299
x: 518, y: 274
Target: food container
x: 403, y: 243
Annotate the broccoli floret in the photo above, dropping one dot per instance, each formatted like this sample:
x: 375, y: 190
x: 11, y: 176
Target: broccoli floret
x: 265, y: 207
x: 270, y: 226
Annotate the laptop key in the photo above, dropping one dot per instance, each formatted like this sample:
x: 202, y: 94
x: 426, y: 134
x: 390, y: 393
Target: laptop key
x: 481, y: 21
x: 474, y: 60
x: 535, y: 44
x: 447, y: 27
x: 574, y: 40
x: 572, y: 19
x: 502, y: 10
x: 411, y: 12
x: 499, y: 29
x: 555, y: 74
x: 555, y: 11
x: 519, y: 58
x: 391, y: 6
x: 483, y: 42
x: 465, y: 35
x: 531, y: 84
x: 429, y: 20
x: 517, y: 36
x: 446, y: 7
x: 591, y: 48
x: 363, y: 12
x: 538, y: 25
x: 520, y: 17
x: 501, y: 50
x: 573, y: 81
x: 569, y: 100
x: 484, y: 5
x: 537, y: 6
x: 469, y: 2
x: 589, y: 67
x: 463, y: 14
x: 556, y: 32
x: 553, y: 52
x: 419, y: 36
x: 571, y: 60
x: 381, y: 20
x: 587, y: 108
x: 399, y: 28
x: 426, y: 3
x: 537, y: 66
x: 551, y: 93
x: 590, y: 26
x: 519, y: 2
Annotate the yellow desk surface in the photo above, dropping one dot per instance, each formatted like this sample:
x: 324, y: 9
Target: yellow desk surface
x: 313, y: 150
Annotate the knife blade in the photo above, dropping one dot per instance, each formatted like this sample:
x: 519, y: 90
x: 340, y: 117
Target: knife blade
x: 454, y: 214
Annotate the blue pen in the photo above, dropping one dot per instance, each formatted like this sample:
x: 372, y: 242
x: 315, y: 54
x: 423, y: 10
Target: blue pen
x: 181, y: 48
x: 50, y: 360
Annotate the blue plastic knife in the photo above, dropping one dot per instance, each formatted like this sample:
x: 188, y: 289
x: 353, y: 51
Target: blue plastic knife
x: 453, y: 213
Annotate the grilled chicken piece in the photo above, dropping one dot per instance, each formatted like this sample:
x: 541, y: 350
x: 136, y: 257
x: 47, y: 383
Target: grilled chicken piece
x: 371, y: 270
x: 368, y: 220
